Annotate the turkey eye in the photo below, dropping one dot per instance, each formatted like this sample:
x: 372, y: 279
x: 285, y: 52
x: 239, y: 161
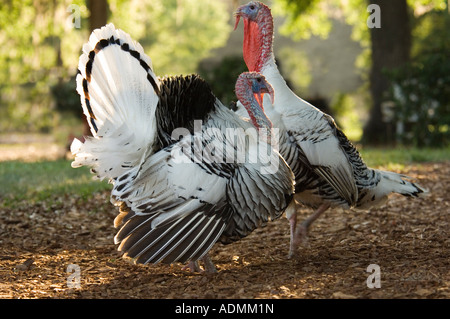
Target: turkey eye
x: 252, y: 7
x: 258, y: 79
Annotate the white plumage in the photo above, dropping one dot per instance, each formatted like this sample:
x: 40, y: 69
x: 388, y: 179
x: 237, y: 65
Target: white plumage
x: 118, y: 101
x: 328, y: 169
x: 177, y: 195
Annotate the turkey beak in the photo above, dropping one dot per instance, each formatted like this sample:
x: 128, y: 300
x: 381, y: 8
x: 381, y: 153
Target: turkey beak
x: 271, y: 94
x: 269, y: 90
x: 237, y: 14
x: 260, y: 96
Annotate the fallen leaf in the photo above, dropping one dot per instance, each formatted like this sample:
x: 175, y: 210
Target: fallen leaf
x: 25, y: 265
x: 341, y: 295
x: 423, y: 292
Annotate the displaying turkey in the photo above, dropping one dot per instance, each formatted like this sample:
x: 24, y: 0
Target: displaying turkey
x: 167, y: 146
x: 328, y: 169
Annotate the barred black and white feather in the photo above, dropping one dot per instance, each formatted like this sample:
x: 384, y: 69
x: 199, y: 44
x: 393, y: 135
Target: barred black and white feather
x: 314, y: 189
x: 328, y: 169
x: 160, y: 143
x: 182, y: 200
x: 119, y: 94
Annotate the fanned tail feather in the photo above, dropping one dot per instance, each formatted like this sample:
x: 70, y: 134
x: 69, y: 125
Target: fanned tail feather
x: 181, y: 239
x: 119, y: 94
x: 390, y: 182
x: 400, y: 184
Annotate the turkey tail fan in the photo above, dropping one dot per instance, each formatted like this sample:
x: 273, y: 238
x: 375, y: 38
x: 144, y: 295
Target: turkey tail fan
x: 119, y: 95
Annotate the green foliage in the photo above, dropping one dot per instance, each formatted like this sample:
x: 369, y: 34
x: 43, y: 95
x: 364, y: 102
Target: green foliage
x: 295, y: 67
x: 176, y: 34
x: 303, y: 18
x: 222, y: 77
x: 40, y: 49
x: 343, y: 106
x: 66, y: 96
x: 421, y: 89
x: 39, y: 46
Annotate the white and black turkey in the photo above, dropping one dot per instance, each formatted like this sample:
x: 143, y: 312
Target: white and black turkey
x: 169, y: 148
x: 328, y: 169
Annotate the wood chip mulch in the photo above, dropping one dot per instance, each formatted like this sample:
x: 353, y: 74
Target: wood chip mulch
x: 408, y: 239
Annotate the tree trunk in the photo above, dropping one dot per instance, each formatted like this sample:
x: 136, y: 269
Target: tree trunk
x: 391, y: 45
x: 98, y: 18
x: 99, y: 13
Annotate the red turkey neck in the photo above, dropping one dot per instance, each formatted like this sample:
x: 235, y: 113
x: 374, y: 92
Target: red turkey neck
x: 258, y: 37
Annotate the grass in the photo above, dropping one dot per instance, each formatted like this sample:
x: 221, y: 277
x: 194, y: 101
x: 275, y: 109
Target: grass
x: 38, y: 181
x: 43, y: 180
x: 398, y: 158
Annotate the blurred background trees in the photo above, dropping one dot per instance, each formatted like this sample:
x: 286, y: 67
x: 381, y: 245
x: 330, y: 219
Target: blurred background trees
x: 401, y: 94
x: 407, y: 60
x: 420, y: 89
x: 41, y: 45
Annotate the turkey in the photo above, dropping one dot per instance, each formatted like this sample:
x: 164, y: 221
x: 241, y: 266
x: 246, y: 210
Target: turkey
x: 328, y: 169
x: 167, y: 146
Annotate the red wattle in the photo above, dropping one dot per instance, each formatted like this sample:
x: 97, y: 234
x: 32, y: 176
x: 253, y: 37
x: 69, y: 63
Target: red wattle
x: 252, y: 45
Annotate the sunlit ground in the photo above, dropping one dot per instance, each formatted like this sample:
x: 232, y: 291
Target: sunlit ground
x: 407, y: 238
